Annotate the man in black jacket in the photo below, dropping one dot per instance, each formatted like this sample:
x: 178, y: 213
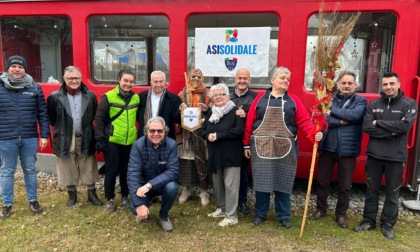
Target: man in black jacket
x: 387, y: 122
x: 158, y: 101
x: 242, y: 96
x: 71, y: 111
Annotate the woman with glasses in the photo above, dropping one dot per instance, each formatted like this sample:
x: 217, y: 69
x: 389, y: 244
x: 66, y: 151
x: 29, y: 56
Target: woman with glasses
x: 270, y: 133
x: 192, y: 150
x: 115, y: 132
x: 223, y: 130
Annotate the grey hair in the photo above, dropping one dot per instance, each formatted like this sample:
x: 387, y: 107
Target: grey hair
x: 72, y: 69
x: 344, y: 73
x: 158, y: 72
x: 220, y: 86
x: 157, y: 119
x: 280, y: 70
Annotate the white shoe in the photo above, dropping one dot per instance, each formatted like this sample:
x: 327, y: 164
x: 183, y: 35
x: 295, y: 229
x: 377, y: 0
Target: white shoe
x: 185, y: 194
x: 228, y: 222
x: 204, y: 196
x: 217, y: 214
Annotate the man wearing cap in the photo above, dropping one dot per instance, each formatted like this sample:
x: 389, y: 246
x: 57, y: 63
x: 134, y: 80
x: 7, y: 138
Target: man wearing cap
x: 72, y: 110
x: 22, y: 109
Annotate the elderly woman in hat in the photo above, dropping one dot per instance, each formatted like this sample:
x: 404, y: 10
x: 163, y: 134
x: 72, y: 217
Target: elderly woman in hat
x: 223, y: 130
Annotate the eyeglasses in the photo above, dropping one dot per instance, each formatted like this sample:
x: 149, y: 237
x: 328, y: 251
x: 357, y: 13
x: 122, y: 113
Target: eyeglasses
x: 218, y: 95
x: 73, y: 78
x: 243, y: 78
x: 153, y: 131
x: 195, y: 76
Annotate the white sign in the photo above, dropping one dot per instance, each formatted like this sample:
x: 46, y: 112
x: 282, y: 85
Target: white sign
x: 222, y: 51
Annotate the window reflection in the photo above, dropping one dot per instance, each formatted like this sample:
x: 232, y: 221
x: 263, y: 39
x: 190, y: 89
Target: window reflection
x: 138, y: 43
x: 368, y: 52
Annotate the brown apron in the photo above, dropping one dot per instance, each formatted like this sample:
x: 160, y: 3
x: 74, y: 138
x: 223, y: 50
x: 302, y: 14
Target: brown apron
x: 273, y: 140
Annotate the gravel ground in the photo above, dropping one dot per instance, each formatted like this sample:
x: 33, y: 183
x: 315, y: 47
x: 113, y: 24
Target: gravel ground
x: 49, y: 182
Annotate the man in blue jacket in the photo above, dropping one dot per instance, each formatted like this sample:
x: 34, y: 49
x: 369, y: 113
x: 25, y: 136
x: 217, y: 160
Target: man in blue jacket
x: 387, y: 122
x: 152, y: 171
x: 22, y: 108
x: 341, y: 146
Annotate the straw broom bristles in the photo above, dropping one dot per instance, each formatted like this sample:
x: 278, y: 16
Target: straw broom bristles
x: 331, y: 38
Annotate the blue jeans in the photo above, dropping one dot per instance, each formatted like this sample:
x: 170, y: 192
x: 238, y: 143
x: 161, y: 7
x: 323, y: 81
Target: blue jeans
x: 282, y: 205
x: 168, y: 193
x: 10, y: 150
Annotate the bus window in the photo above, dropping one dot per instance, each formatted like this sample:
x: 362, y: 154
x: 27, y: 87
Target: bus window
x: 45, y: 42
x: 230, y: 21
x: 368, y: 52
x: 138, y: 43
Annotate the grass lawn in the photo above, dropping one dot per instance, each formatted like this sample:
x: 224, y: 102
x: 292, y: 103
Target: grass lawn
x: 89, y: 228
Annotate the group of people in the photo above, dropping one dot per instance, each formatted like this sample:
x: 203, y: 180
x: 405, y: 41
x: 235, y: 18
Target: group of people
x: 235, y: 128
x: 386, y: 121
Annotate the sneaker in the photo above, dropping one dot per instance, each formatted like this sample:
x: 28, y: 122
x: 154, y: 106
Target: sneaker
x: 204, y: 197
x: 217, y: 214
x: 35, y: 207
x: 125, y: 202
x: 257, y: 220
x: 364, y: 226
x: 6, y: 212
x: 110, y: 205
x: 166, y: 225
x: 228, y: 222
x: 388, y: 231
x: 243, y: 208
x: 185, y: 194
x: 286, y: 223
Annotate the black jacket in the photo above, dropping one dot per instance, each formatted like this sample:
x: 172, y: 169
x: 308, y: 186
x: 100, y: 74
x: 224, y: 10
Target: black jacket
x: 394, y: 118
x: 227, y: 150
x: 169, y: 111
x: 244, y: 101
x: 62, y: 122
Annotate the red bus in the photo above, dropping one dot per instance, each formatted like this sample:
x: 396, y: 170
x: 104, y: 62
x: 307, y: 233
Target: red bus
x: 101, y: 37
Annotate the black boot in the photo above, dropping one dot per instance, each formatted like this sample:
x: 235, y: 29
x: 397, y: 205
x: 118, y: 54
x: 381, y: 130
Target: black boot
x: 72, y: 198
x: 93, y: 198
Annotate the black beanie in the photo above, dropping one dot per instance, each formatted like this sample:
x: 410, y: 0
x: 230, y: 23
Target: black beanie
x: 17, y: 60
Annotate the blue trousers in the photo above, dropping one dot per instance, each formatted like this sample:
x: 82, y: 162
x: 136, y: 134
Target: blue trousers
x: 168, y: 193
x: 26, y: 149
x: 282, y: 205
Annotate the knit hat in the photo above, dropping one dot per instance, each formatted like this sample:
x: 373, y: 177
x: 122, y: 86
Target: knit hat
x: 17, y: 60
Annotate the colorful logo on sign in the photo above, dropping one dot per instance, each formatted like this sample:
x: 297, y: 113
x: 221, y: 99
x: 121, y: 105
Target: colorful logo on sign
x: 230, y: 63
x: 231, y: 35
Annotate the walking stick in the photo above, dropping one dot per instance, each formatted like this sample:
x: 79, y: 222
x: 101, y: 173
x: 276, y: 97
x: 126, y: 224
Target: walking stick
x: 308, y: 193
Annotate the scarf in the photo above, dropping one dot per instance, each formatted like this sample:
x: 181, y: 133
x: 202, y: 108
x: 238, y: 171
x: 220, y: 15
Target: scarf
x: 219, y: 112
x: 16, y: 84
x: 148, y: 110
x: 193, y: 96
x: 73, y: 92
